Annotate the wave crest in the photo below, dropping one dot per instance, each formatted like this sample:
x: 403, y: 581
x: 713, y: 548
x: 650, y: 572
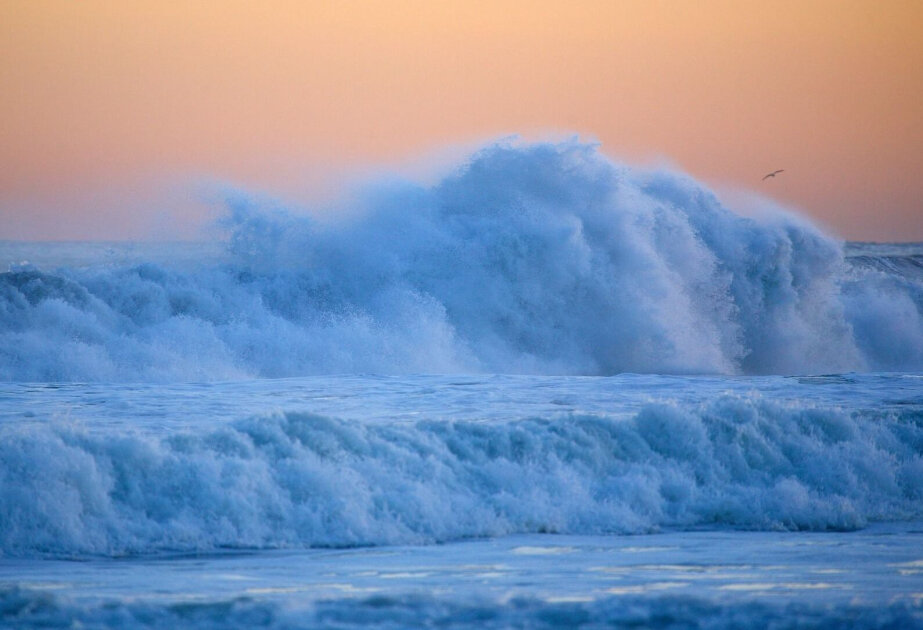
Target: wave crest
x: 545, y: 258
x: 298, y: 479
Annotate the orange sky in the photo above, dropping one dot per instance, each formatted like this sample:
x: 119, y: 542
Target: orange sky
x: 104, y: 104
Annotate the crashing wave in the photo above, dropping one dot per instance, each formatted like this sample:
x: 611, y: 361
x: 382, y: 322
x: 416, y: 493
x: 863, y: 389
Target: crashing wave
x: 543, y: 259
x: 301, y: 480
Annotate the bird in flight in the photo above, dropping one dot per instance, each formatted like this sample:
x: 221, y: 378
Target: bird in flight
x: 772, y: 174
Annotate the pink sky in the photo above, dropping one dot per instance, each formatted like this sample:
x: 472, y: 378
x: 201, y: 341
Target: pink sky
x: 108, y: 110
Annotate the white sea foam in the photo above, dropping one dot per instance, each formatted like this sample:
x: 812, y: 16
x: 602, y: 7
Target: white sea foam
x: 545, y: 258
x: 298, y: 480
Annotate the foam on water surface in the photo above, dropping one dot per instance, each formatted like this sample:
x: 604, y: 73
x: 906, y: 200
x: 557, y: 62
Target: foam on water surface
x: 713, y: 579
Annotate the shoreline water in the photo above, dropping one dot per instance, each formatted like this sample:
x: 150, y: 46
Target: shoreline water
x: 869, y: 578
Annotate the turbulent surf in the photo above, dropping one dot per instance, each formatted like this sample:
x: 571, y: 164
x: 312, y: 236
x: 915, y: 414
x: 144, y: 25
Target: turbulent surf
x: 545, y: 390
x: 539, y: 259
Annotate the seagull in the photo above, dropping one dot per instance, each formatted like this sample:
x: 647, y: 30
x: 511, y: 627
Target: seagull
x: 772, y: 174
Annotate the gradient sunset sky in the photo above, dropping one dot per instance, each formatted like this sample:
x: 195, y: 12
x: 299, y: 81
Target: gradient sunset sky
x: 108, y: 110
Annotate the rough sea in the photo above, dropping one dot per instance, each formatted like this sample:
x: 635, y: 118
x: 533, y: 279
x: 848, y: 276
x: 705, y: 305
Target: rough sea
x: 546, y: 391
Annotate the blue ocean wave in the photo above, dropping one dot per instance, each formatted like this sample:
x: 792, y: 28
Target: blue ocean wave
x: 301, y: 480
x: 542, y: 259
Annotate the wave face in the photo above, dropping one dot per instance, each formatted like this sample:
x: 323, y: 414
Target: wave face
x: 544, y: 259
x: 301, y: 480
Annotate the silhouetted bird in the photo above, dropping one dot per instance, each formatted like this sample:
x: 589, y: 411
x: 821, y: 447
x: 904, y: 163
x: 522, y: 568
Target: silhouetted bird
x: 772, y: 174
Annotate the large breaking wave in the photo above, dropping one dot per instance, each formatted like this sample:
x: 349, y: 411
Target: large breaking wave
x: 295, y: 479
x: 545, y: 258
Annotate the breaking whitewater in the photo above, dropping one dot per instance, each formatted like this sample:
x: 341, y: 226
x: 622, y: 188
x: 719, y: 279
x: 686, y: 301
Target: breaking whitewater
x: 546, y: 391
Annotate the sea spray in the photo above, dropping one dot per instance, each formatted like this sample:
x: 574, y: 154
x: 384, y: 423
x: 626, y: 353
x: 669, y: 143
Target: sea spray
x: 528, y: 258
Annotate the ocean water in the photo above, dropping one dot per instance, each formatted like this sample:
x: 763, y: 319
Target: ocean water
x: 546, y: 391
